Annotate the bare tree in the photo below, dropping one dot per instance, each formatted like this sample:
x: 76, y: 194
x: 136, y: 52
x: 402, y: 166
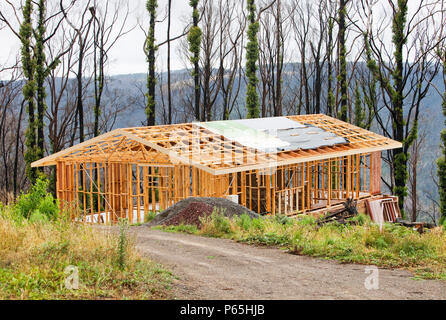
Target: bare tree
x: 110, y: 24
x: 84, y: 44
x: 404, y: 69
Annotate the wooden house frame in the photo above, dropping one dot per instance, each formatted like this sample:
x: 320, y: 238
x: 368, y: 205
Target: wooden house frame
x: 126, y: 173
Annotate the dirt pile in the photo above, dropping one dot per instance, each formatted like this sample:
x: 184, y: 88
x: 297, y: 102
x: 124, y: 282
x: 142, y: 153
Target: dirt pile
x: 190, y: 211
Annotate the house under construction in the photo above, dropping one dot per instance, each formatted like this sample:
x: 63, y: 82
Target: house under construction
x: 285, y: 165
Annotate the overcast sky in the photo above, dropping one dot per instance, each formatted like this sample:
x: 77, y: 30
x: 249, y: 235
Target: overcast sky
x: 127, y: 55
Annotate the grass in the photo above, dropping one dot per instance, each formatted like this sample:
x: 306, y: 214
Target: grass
x: 363, y: 243
x: 34, y: 256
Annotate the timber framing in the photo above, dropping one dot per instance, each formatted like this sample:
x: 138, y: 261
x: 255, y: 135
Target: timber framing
x: 129, y: 172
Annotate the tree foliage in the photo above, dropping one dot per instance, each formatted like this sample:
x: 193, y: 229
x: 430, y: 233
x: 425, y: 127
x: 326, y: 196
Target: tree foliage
x: 394, y: 86
x: 359, y: 110
x: 194, y: 40
x: 29, y: 88
x: 342, y: 76
x: 252, y: 55
x: 151, y: 51
x: 36, y: 69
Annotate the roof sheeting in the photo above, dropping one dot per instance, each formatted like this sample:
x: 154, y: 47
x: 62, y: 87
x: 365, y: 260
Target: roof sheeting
x: 272, y: 135
x: 197, y: 145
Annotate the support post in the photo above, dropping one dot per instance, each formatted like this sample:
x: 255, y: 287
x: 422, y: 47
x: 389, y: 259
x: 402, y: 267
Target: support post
x: 375, y: 173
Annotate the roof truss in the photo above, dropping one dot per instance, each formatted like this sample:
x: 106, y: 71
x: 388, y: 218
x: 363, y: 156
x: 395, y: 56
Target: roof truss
x: 193, y: 145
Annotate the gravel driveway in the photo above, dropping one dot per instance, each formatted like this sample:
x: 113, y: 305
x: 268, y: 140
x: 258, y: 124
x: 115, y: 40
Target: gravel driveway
x: 210, y: 268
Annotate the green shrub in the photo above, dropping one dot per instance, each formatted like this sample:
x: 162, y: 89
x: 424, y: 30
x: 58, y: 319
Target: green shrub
x: 150, y: 216
x: 413, y: 247
x: 37, y: 203
x: 122, y: 243
x: 361, y: 219
x: 216, y: 225
x: 269, y: 239
x: 258, y: 224
x: 283, y: 220
x: 307, y: 220
x: 221, y: 223
x: 184, y: 228
x: 244, y: 222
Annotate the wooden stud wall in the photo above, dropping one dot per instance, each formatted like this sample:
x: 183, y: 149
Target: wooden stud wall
x: 120, y: 190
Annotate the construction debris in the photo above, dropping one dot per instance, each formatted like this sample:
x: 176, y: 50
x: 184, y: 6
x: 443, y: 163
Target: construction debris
x: 340, y: 216
x: 387, y: 210
x: 383, y: 210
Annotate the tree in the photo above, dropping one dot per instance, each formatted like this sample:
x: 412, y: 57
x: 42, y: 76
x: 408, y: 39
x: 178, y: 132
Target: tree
x: 273, y: 33
x: 417, y: 149
x: 169, y: 75
x: 11, y: 111
x: 62, y: 97
x: 83, y: 38
x: 29, y: 88
x: 330, y: 94
x: 194, y: 40
x: 441, y: 162
x: 359, y: 111
x: 252, y: 55
x: 212, y: 21
x: 150, y: 52
x: 107, y: 30
x: 36, y: 68
x: 404, y: 82
x: 230, y: 54
x: 342, y: 52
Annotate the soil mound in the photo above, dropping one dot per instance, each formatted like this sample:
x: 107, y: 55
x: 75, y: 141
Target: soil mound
x: 189, y: 211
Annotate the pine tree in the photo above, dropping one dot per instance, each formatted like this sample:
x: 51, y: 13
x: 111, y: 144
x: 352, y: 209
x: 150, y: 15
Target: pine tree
x: 194, y: 39
x: 151, y: 51
x: 441, y: 162
x: 252, y: 55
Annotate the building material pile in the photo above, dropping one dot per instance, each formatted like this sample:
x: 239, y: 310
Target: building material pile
x: 341, y: 215
x: 191, y: 210
x: 387, y: 210
x: 384, y: 210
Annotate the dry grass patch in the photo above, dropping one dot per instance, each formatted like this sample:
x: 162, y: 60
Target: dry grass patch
x: 34, y: 256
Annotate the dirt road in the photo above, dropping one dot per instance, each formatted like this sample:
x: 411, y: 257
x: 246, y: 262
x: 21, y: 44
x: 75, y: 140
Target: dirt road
x: 222, y: 269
